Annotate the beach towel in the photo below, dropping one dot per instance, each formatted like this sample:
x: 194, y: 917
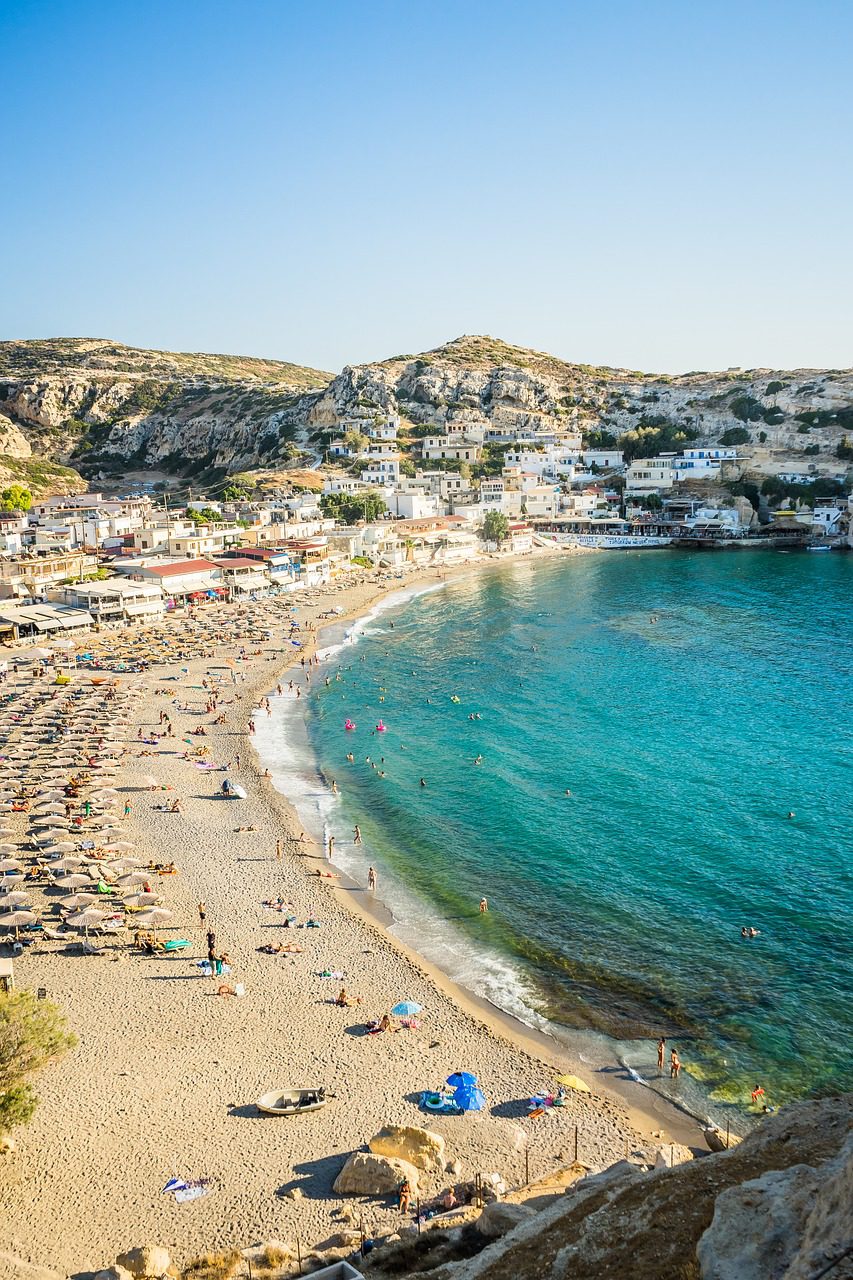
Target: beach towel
x: 184, y: 1189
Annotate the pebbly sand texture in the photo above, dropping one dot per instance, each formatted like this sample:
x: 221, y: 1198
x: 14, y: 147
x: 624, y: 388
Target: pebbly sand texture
x: 166, y: 1072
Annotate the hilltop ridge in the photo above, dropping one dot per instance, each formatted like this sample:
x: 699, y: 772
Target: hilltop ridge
x: 93, y: 407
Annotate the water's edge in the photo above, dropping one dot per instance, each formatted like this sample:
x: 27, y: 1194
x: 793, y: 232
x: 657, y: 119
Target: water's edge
x: 284, y: 746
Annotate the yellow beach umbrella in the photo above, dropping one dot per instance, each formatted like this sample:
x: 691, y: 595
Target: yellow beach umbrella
x: 573, y: 1082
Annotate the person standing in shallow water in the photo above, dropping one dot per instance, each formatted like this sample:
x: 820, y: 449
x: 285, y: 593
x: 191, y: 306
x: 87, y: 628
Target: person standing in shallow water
x: 661, y: 1053
x: 674, y: 1065
x: 484, y: 906
x: 371, y: 879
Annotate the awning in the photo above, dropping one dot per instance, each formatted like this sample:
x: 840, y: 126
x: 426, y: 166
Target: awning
x: 44, y: 624
x: 74, y: 618
x: 134, y: 610
x: 250, y: 582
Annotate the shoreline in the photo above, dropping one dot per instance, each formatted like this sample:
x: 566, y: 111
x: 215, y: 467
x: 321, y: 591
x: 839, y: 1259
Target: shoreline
x: 163, y: 1078
x: 647, y: 1107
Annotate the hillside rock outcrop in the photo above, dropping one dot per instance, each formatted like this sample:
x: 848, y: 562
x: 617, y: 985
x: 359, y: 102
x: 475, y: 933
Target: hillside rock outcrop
x: 105, y: 407
x: 776, y: 1207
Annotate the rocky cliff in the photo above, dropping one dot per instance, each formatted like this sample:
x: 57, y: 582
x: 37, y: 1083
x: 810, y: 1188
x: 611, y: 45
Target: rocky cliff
x: 477, y: 379
x: 102, y: 407
x: 776, y: 1207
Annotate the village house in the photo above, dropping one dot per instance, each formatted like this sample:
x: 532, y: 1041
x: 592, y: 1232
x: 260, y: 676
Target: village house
x: 189, y: 581
x: 29, y: 575
x: 115, y: 599
x: 448, y: 447
x: 244, y: 577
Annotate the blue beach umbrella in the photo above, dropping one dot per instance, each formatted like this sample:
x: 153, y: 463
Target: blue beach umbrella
x: 469, y: 1097
x: 406, y: 1009
x: 461, y: 1077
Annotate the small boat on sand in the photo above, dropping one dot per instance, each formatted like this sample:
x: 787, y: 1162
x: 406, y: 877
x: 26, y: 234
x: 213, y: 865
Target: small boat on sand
x: 291, y: 1102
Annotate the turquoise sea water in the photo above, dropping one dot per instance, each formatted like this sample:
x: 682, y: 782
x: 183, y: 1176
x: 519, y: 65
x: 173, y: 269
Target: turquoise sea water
x: 685, y: 743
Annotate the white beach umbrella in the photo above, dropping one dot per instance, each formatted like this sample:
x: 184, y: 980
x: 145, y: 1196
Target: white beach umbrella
x: 77, y: 880
x: 68, y: 863
x: 10, y: 864
x: 7, y: 849
x: 55, y: 833
x: 153, y: 917
x: 131, y: 879
x: 119, y: 846
x: 143, y: 900
x: 87, y: 918
x: 62, y: 846
x: 15, y: 899
x: 77, y: 901
x: 17, y: 919
x: 126, y: 863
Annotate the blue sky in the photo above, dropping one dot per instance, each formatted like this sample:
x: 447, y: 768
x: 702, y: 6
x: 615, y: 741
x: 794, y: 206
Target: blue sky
x: 661, y: 186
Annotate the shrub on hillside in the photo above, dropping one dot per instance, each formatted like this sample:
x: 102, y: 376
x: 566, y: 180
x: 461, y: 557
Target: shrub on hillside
x: 747, y: 408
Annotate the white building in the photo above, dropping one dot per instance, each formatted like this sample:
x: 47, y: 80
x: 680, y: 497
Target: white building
x: 650, y: 475
x: 604, y: 459
x: 115, y: 599
x: 549, y: 460
x: 828, y: 514
x: 448, y: 447
x: 384, y: 471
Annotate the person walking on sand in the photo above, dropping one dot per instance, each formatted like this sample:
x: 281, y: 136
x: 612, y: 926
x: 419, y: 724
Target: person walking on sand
x: 278, y: 851
x: 484, y: 906
x: 404, y: 1195
x: 674, y: 1065
x: 202, y: 914
x: 357, y: 834
x: 371, y: 879
x: 661, y: 1053
x: 127, y: 808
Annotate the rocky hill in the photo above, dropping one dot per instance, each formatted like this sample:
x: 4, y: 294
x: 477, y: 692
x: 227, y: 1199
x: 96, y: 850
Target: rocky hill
x: 777, y: 1207
x: 804, y: 411
x: 103, y: 408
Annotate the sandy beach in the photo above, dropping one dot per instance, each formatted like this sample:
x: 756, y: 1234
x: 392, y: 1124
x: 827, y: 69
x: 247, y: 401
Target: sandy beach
x: 166, y: 1072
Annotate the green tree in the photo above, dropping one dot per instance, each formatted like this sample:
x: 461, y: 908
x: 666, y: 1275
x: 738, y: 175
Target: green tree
x: 210, y: 515
x: 32, y: 1033
x: 352, y: 507
x: 236, y: 491
x: 735, y: 435
x: 15, y: 498
x: 495, y: 527
x: 747, y: 408
x: 355, y: 441
x: 193, y: 513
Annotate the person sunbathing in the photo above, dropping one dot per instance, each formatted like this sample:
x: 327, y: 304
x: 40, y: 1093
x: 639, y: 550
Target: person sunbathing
x: 345, y: 1000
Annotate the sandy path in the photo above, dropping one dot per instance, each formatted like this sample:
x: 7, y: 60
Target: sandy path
x: 166, y: 1072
